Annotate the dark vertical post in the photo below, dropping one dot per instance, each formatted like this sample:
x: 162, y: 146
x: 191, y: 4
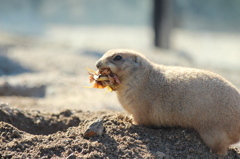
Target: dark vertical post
x: 162, y: 23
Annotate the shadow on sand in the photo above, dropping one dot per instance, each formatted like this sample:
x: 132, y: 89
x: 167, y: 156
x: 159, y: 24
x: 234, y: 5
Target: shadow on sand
x: 11, y: 67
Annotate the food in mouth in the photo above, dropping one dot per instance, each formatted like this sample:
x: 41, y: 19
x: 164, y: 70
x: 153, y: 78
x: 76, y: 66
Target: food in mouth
x: 104, y: 78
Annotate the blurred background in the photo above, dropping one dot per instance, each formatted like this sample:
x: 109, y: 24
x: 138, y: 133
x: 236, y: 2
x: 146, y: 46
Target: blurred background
x: 45, y: 45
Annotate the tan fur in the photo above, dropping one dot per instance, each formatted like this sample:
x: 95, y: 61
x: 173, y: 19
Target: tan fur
x: 158, y: 95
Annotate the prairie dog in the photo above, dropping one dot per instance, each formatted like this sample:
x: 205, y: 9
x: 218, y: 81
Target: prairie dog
x: 157, y: 95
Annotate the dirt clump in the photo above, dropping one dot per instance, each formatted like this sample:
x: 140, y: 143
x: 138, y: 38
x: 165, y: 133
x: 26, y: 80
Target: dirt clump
x: 33, y: 134
x: 36, y: 122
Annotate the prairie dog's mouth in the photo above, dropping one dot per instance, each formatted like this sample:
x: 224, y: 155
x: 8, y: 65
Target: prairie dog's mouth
x: 104, y: 78
x: 105, y: 71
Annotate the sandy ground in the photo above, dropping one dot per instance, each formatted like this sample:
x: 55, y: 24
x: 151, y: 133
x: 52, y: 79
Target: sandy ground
x: 47, y: 73
x: 60, y: 135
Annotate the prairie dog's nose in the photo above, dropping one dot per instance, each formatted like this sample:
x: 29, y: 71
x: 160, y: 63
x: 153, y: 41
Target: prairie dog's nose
x: 98, y: 64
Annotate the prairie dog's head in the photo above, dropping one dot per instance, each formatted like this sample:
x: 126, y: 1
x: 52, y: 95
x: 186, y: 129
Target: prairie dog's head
x: 120, y: 61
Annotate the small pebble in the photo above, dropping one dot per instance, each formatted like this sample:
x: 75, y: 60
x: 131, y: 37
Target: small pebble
x: 160, y: 155
x: 16, y: 134
x: 71, y: 156
x: 95, y: 128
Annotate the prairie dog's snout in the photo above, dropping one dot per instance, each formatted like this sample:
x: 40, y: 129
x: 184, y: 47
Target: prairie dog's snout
x: 98, y: 64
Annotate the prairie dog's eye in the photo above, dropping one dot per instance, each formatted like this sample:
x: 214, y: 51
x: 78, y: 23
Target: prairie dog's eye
x: 117, y: 58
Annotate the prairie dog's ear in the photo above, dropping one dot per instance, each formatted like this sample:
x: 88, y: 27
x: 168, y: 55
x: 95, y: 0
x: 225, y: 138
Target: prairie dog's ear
x: 135, y: 59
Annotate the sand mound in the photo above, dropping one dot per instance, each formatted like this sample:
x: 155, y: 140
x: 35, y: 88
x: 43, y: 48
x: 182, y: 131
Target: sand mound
x: 34, y: 134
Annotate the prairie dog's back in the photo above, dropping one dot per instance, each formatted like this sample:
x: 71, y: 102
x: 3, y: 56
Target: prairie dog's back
x: 182, y: 93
